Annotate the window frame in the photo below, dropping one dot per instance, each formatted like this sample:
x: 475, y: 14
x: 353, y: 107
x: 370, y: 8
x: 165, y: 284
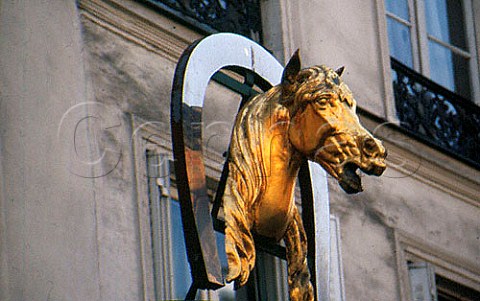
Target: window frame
x: 420, y: 40
x: 447, y: 265
x: 146, y: 136
x: 412, y: 24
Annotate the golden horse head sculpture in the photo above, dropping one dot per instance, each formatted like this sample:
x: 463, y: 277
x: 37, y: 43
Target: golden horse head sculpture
x: 311, y: 114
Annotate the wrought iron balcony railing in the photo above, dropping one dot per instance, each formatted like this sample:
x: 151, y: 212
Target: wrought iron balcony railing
x: 436, y: 115
x: 238, y: 16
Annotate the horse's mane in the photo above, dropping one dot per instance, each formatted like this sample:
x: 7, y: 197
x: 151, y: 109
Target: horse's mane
x: 248, y: 142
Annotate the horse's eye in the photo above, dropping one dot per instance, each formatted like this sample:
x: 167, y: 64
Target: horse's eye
x: 322, y: 102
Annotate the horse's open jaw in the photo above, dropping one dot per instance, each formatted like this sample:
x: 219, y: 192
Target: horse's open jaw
x: 349, y: 180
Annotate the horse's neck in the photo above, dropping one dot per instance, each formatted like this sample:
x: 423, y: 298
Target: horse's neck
x: 283, y: 159
x: 274, y: 208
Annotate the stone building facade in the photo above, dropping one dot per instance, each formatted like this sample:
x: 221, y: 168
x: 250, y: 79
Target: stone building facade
x: 85, y: 109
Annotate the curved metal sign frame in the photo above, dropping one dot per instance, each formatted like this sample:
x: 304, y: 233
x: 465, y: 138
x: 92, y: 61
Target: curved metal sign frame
x: 196, y: 66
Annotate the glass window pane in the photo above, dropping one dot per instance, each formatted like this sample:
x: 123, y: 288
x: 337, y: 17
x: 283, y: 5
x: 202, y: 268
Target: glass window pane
x: 449, y: 69
x: 445, y: 21
x: 441, y: 68
x: 398, y: 8
x: 181, y: 271
x: 400, y: 42
x: 226, y: 293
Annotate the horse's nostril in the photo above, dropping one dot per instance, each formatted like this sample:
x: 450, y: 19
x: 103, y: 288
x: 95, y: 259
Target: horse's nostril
x: 372, y: 148
x: 369, y: 144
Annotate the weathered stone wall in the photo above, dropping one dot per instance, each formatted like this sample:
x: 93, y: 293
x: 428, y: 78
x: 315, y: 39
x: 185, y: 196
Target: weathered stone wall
x: 69, y: 229
x: 48, y: 233
x: 343, y: 33
x: 127, y: 79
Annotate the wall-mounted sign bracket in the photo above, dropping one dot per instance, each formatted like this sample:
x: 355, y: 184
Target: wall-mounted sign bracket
x: 197, y: 66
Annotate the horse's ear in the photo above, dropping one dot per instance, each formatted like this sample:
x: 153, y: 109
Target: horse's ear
x: 289, y: 76
x: 291, y: 70
x: 340, y: 70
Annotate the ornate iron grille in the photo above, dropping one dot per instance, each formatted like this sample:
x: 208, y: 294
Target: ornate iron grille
x: 436, y: 114
x: 237, y: 16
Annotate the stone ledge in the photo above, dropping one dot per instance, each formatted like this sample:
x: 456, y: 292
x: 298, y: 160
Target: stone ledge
x: 139, y: 24
x: 426, y: 164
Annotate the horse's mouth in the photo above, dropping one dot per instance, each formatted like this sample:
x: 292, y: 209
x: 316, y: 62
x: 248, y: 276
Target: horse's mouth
x: 349, y: 179
x: 343, y: 158
x: 349, y: 175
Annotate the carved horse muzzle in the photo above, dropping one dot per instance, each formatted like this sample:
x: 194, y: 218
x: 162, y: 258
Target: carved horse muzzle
x: 327, y: 130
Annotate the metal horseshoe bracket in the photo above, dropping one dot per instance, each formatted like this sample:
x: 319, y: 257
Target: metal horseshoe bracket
x: 199, y: 63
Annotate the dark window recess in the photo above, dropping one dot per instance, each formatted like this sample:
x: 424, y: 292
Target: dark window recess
x: 237, y: 16
x: 436, y: 115
x: 448, y: 290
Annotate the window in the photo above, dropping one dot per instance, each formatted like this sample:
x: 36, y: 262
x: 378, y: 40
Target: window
x: 448, y: 290
x: 435, y: 38
x: 428, y: 273
x: 400, y: 30
x: 426, y: 285
x: 171, y: 272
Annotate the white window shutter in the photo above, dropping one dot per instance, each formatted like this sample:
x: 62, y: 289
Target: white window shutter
x: 337, y: 291
x: 422, y: 281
